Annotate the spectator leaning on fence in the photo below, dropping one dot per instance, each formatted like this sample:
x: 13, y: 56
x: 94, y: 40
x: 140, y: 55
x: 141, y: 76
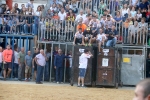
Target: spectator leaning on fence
x: 83, y: 62
x: 78, y: 37
x: 58, y: 63
x: 7, y: 61
x: 101, y: 38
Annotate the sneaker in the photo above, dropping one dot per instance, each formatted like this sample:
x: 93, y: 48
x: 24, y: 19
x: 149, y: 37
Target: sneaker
x: 86, y: 44
x: 57, y: 82
x: 78, y: 86
x: 61, y: 82
x: 83, y: 86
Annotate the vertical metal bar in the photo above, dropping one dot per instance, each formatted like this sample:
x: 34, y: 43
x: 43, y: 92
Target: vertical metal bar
x: 51, y: 64
x: 56, y: 32
x: 44, y: 66
x: 12, y: 59
x: 65, y: 64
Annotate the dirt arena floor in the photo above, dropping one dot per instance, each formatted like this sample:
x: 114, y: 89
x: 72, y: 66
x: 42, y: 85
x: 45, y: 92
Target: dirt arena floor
x: 49, y: 91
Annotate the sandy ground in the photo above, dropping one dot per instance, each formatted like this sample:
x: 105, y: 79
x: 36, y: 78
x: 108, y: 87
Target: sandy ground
x: 49, y: 91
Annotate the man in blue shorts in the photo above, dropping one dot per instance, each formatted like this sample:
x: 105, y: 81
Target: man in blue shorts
x: 83, y: 61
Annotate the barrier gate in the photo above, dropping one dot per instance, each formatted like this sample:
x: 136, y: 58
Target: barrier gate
x: 66, y: 47
x: 25, y: 41
x: 132, y: 63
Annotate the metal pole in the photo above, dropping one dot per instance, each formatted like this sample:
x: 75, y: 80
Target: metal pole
x: 65, y: 64
x: 51, y: 65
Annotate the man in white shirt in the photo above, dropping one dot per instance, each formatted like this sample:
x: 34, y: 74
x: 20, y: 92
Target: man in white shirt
x: 16, y: 65
x: 83, y: 61
x: 40, y: 60
x: 62, y: 14
x: 80, y: 15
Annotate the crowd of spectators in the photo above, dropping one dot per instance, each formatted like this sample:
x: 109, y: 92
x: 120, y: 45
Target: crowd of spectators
x: 103, y: 21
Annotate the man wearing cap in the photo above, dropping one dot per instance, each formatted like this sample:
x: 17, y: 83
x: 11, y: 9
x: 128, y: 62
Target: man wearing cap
x: 86, y: 36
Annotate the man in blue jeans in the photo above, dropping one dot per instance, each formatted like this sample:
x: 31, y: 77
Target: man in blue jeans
x: 58, y: 63
x: 40, y: 60
x: 112, y: 37
x: 83, y: 61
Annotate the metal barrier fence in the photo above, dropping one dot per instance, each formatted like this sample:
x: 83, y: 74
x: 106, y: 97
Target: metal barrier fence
x: 133, y: 34
x: 56, y: 30
x: 18, y: 24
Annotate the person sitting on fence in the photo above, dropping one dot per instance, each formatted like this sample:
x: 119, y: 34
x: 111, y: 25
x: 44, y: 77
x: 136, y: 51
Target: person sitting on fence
x: 8, y: 27
x: 83, y: 61
x: 101, y: 38
x: 86, y: 36
x: 20, y: 26
x: 112, y: 37
x: 28, y: 25
x: 78, y: 37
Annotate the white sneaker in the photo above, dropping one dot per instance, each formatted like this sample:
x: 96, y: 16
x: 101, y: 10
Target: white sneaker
x: 57, y: 82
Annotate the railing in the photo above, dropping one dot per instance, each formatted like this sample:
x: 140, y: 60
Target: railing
x: 19, y: 24
x: 56, y: 30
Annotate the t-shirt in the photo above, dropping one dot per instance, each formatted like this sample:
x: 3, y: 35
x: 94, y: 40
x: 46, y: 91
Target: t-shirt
x: 82, y: 26
x: 21, y: 56
x: 83, y: 60
x: 87, y: 33
x: 16, y: 57
x: 62, y: 16
x: 79, y: 35
x: 41, y: 59
x: 144, y: 5
x: 7, y: 55
x: 100, y: 36
x: 28, y: 60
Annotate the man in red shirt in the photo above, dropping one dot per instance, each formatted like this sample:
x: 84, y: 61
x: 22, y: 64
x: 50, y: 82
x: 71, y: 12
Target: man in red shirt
x: 7, y: 60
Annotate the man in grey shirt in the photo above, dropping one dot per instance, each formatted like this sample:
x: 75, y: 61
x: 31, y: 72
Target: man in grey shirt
x: 28, y: 63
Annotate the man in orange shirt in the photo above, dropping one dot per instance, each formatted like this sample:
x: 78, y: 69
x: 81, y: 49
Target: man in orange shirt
x: 81, y: 25
x: 7, y: 60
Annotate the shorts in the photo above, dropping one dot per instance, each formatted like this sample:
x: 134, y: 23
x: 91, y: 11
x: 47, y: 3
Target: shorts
x: 78, y: 40
x: 27, y: 70
x: 7, y: 65
x: 82, y: 72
